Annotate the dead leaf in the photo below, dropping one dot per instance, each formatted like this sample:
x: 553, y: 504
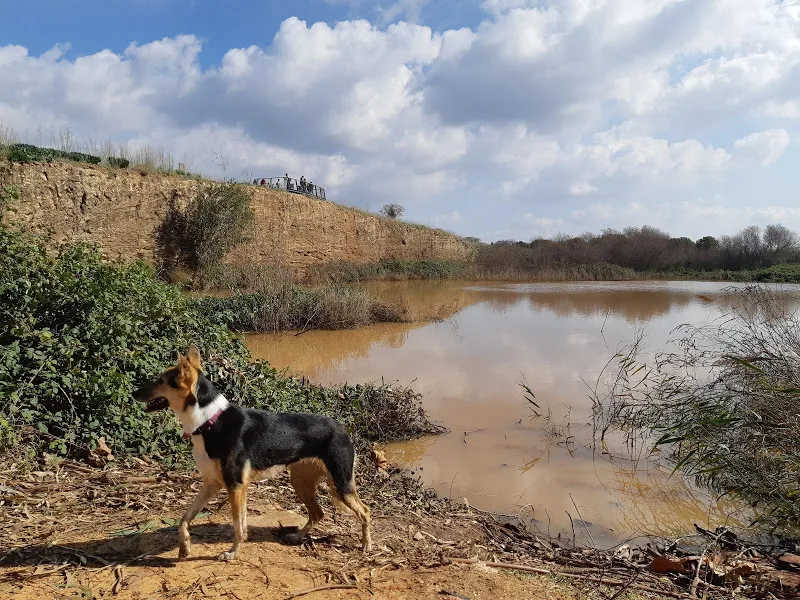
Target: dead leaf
x: 740, y: 570
x: 665, y: 564
x: 788, y: 561
x: 103, y: 450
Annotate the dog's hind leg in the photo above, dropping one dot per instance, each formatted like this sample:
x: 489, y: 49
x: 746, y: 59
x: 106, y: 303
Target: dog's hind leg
x: 361, y: 510
x: 208, y: 491
x: 305, y: 476
x: 237, y: 495
x: 342, y: 469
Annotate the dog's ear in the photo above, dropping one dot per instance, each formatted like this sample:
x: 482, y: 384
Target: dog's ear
x: 184, y: 374
x: 193, y: 356
x: 178, y: 357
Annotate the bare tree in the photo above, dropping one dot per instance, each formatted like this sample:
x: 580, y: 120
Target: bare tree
x: 779, y: 242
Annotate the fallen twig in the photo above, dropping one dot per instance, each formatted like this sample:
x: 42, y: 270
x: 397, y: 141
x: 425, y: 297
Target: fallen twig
x: 600, y: 580
x: 337, y: 586
x: 696, y: 580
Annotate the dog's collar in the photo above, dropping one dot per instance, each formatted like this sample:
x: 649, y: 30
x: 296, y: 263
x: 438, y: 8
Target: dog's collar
x: 205, y: 426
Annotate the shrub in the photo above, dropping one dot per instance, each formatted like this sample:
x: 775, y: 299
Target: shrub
x: 118, y: 163
x: 78, y: 334
x: 724, y: 403
x: 218, y: 219
x: 393, y: 211
x: 27, y: 153
x: 283, y: 306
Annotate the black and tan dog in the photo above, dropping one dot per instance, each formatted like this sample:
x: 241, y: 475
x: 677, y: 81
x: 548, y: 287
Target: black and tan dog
x: 234, y: 446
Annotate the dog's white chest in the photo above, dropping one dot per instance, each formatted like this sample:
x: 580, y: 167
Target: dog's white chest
x: 208, y: 467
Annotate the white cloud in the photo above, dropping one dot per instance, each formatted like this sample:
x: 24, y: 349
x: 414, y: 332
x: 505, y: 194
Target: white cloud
x: 582, y: 189
x: 542, y: 221
x: 763, y: 147
x: 551, y: 103
x: 598, y: 210
x: 451, y: 218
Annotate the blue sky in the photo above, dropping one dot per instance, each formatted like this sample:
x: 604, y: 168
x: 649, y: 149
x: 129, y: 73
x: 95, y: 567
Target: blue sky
x: 492, y: 118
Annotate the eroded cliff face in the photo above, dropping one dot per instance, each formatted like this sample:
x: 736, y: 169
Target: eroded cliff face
x: 121, y: 211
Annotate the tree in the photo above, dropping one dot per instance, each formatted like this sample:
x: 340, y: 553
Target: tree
x: 393, y: 211
x: 779, y: 242
x: 708, y: 242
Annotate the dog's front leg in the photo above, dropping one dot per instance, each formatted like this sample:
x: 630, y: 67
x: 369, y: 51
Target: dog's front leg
x: 208, y: 491
x: 238, y: 499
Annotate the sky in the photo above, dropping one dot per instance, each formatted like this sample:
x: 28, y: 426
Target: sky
x: 498, y: 119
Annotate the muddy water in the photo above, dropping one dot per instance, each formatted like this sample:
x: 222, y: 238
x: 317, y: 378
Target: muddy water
x: 468, y: 365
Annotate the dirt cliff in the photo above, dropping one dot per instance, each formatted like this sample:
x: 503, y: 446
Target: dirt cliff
x: 120, y: 210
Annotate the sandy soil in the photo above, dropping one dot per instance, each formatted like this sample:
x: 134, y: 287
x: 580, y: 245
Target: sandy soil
x: 143, y: 564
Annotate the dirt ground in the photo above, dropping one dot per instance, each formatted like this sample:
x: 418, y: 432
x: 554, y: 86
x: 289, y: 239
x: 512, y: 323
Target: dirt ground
x: 81, y: 531
x: 76, y: 531
x: 265, y: 569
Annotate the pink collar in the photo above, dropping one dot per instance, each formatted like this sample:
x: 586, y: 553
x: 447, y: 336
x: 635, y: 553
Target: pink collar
x: 205, y: 426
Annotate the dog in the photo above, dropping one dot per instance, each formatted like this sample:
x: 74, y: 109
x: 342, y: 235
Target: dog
x: 234, y: 446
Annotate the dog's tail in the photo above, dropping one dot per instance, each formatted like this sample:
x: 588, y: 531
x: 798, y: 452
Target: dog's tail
x: 341, y: 464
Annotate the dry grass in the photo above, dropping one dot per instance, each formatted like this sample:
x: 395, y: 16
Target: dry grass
x: 274, y: 303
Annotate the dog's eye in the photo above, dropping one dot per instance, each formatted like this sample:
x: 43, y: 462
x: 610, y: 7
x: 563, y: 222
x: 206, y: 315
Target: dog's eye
x: 173, y: 382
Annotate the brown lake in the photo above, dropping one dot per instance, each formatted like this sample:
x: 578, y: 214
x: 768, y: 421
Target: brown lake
x: 468, y: 366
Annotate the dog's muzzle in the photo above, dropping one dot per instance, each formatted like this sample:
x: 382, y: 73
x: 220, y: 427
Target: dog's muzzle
x: 145, y: 394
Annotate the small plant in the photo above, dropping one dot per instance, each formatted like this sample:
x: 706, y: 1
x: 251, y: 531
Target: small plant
x: 393, y: 211
x: 8, y: 193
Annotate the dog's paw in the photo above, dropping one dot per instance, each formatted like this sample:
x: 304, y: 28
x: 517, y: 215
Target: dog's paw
x: 366, y: 548
x: 184, y: 550
x: 226, y: 556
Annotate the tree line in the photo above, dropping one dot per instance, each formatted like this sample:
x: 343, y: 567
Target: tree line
x: 650, y: 249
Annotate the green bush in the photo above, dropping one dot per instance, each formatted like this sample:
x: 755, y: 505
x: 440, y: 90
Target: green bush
x: 722, y: 400
x: 78, y: 334
x: 218, y: 219
x: 787, y: 273
x: 26, y: 153
x: 118, y: 163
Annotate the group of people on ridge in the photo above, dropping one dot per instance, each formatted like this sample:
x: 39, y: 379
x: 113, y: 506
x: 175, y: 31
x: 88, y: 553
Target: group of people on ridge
x: 303, y: 186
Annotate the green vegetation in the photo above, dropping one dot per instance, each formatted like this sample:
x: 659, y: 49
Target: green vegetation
x: 218, y: 218
x: 393, y: 211
x: 78, y: 334
x: 786, y: 273
x: 27, y: 153
x: 8, y: 194
x: 723, y: 401
x: 390, y: 269
x: 283, y: 306
x: 118, y: 163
